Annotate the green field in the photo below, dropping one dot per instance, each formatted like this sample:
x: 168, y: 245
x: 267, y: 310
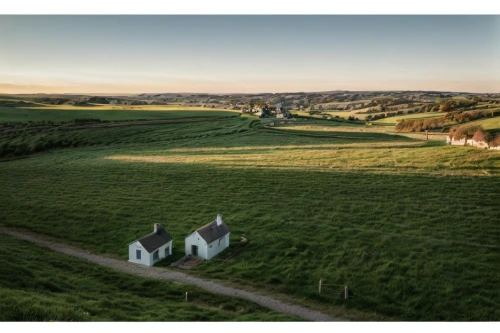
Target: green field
x: 397, y: 119
x: 489, y: 124
x: 42, y: 285
x: 410, y: 226
x: 341, y: 114
x: 107, y: 113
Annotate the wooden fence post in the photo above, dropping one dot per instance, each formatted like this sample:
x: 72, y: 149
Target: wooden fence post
x: 346, y: 293
x: 186, y: 296
x: 320, y: 281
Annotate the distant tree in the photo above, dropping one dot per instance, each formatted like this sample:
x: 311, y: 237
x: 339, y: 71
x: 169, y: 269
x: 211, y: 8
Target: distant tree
x: 495, y: 142
x: 482, y: 135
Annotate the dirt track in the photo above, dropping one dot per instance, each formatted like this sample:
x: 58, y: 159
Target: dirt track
x: 167, y: 274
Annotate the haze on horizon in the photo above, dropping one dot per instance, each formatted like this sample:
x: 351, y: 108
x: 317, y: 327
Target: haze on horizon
x: 248, y: 54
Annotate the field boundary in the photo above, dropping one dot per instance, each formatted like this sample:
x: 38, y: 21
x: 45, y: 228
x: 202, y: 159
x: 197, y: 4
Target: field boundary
x: 167, y: 274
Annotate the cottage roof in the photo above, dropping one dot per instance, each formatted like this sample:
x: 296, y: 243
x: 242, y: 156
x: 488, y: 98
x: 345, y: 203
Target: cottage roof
x: 213, y: 231
x: 479, y: 135
x: 156, y: 239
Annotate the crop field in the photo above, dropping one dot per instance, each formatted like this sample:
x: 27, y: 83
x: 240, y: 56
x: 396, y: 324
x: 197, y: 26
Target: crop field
x: 107, y: 113
x: 410, y: 226
x: 42, y: 285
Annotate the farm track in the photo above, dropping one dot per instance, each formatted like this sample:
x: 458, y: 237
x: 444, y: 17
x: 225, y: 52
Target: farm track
x: 167, y: 274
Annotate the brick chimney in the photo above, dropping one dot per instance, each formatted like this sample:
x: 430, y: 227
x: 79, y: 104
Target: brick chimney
x: 219, y: 219
x: 156, y: 226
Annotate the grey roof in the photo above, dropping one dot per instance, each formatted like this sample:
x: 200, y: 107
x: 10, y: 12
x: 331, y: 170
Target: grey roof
x: 156, y: 239
x: 212, y: 231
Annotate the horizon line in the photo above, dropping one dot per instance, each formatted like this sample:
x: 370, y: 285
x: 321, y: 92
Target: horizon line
x: 242, y: 93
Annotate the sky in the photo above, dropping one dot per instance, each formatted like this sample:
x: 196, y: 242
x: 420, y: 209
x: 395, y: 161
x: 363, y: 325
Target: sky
x: 248, y: 54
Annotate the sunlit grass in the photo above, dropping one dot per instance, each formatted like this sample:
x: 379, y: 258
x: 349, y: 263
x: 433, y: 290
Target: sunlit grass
x: 410, y: 226
x: 396, y: 119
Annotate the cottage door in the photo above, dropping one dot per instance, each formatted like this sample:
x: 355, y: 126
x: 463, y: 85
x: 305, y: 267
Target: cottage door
x: 194, y: 250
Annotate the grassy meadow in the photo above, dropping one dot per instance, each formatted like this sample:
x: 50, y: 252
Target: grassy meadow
x: 59, y: 113
x: 410, y: 226
x: 42, y: 285
x: 489, y: 124
x: 397, y: 119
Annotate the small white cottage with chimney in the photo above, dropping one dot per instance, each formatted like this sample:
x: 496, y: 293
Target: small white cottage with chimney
x: 151, y: 248
x: 209, y: 240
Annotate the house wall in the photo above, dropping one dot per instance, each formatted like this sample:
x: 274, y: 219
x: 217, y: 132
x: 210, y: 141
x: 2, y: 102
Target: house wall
x: 217, y: 246
x: 145, y: 257
x: 470, y: 142
x: 454, y: 142
x: 196, y: 239
x: 479, y: 144
x: 161, y: 253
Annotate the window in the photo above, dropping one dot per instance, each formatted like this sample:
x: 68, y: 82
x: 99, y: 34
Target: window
x: 167, y: 251
x: 138, y: 254
x: 156, y: 256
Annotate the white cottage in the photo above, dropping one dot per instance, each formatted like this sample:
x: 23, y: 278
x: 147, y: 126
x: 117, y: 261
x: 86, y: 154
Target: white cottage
x: 151, y: 248
x: 209, y: 240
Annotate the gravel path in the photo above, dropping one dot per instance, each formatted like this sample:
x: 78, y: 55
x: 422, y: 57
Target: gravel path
x: 167, y: 274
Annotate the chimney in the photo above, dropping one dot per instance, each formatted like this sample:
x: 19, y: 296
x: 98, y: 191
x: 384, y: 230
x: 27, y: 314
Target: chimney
x: 219, y: 219
x: 157, y: 225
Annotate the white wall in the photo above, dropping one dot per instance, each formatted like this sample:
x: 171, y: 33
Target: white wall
x: 217, y: 247
x: 470, y: 142
x: 161, y: 253
x: 196, y: 239
x: 146, y: 257
x: 454, y: 142
x: 205, y: 251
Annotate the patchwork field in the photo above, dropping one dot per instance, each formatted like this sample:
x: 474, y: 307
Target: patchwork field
x: 410, y: 226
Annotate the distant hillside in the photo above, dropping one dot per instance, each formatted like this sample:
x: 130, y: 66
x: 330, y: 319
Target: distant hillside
x: 98, y: 100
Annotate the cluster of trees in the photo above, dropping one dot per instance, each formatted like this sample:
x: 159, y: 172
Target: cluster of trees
x: 433, y: 107
x: 468, y: 131
x: 452, y: 104
x: 495, y: 142
x: 463, y: 117
x: 417, y: 125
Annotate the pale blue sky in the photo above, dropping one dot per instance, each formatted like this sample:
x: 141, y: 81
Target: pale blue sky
x: 225, y: 54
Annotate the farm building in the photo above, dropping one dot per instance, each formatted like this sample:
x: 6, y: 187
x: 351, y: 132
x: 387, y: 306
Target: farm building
x: 209, y: 240
x: 151, y: 248
x: 474, y: 142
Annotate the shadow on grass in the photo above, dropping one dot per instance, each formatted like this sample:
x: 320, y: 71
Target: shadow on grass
x: 406, y: 245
